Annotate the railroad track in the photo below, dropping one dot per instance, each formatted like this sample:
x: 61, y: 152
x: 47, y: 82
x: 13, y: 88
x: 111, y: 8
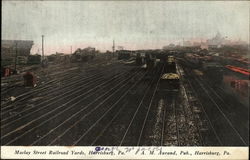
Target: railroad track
x: 147, y: 121
x: 47, y: 104
x: 178, y: 125
x: 55, y: 93
x: 224, y: 109
x: 170, y: 136
x: 172, y: 122
x: 163, y: 121
x: 207, y: 131
x: 237, y: 112
x: 52, y: 94
x: 67, y: 108
x: 131, y: 135
x: 105, y: 104
x: 192, y: 111
x: 119, y: 109
x: 113, y: 109
x: 51, y: 83
x: 129, y: 104
x: 224, y: 131
x: 64, y: 76
x: 190, y: 117
x: 18, y: 78
x: 127, y: 128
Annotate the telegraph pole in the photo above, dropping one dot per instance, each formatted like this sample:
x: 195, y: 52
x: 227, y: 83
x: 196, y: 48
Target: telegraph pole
x: 70, y: 49
x: 15, y: 59
x: 113, y: 48
x: 42, y: 47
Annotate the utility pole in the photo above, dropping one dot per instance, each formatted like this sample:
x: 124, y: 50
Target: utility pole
x: 113, y: 48
x: 42, y: 47
x: 70, y: 49
x: 15, y: 59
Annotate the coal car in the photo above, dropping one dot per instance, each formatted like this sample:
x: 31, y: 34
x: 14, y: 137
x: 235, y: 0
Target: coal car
x: 169, y: 82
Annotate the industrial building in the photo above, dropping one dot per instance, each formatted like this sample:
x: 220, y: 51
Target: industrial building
x: 15, y: 48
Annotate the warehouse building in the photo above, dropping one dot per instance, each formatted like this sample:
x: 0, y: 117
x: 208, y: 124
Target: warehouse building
x: 12, y: 48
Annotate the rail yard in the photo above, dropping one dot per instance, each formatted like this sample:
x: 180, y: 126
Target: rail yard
x: 143, y: 98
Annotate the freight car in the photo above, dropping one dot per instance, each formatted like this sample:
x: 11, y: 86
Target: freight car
x: 34, y: 59
x: 83, y: 55
x: 170, y: 60
x: 170, y: 65
x: 124, y: 54
x: 150, y: 61
x: 169, y: 82
x: 139, y: 59
x: 150, y: 67
x: 150, y: 64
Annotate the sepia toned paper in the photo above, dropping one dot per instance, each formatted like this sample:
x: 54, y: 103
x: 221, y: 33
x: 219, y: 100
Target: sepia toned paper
x: 98, y: 70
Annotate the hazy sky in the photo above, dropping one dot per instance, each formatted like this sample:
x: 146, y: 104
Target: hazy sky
x: 134, y: 25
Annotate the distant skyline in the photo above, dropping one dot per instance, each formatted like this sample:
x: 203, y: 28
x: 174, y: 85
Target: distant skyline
x: 132, y: 24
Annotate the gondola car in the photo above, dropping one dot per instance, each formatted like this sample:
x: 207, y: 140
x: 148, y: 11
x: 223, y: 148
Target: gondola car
x: 170, y: 65
x: 169, y: 82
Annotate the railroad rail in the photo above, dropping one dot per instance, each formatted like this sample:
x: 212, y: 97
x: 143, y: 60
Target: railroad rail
x: 71, y: 106
x: 66, y: 76
x: 120, y: 105
x: 215, y: 114
x: 54, y: 93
